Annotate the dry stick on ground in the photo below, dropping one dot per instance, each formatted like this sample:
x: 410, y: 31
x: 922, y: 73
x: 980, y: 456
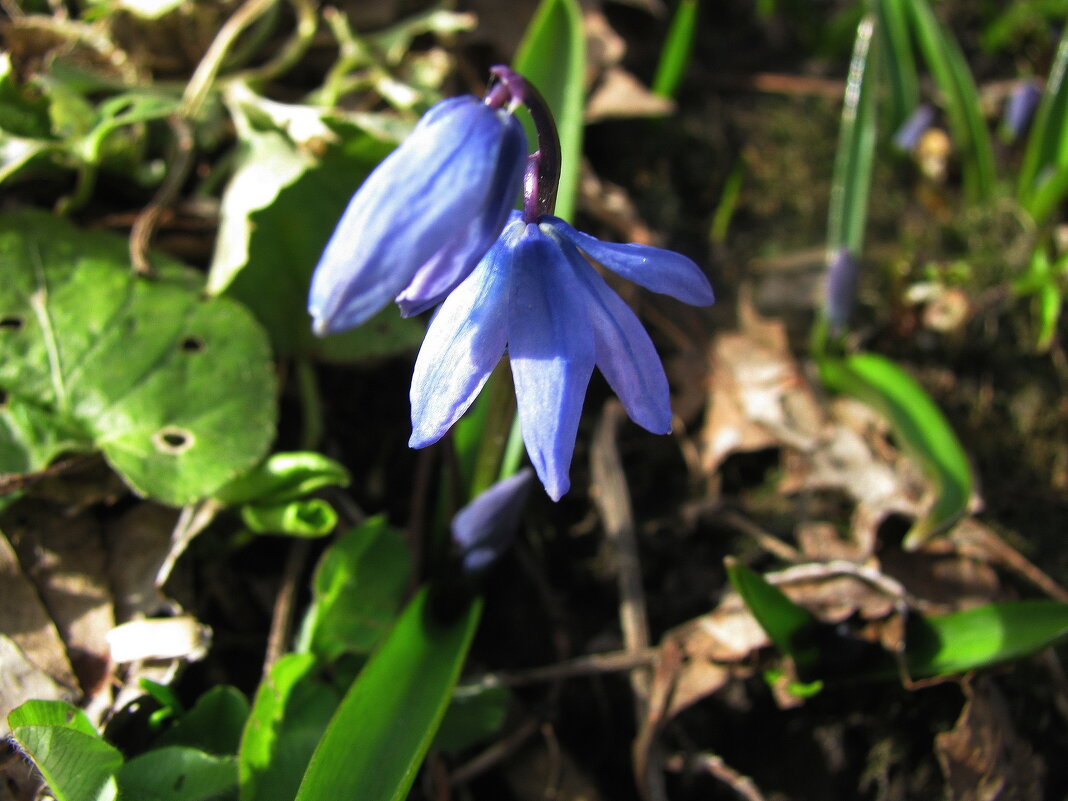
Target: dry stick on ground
x: 738, y: 782
x: 612, y: 498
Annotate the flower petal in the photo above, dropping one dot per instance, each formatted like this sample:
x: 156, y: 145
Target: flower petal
x: 551, y: 348
x: 656, y: 269
x: 408, y: 210
x: 463, y: 344
x: 625, y: 353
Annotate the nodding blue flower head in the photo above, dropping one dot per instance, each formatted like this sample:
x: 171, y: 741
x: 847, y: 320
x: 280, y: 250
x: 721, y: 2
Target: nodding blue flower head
x: 536, y: 296
x: 422, y: 220
x: 484, y: 529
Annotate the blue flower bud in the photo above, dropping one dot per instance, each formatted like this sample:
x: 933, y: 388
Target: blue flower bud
x: 485, y: 528
x: 908, y: 135
x: 424, y: 217
x: 1019, y: 109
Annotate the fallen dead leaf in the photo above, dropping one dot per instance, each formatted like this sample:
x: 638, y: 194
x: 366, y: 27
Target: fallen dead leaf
x: 982, y: 758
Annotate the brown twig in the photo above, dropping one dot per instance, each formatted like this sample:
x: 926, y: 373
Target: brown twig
x: 594, y: 664
x: 284, y: 605
x: 714, y: 764
x: 145, y: 224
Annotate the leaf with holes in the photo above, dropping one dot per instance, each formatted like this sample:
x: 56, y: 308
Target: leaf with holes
x: 177, y: 391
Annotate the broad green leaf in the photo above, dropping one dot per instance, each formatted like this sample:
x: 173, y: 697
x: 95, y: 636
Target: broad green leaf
x: 286, y: 476
x: 176, y: 391
x: 474, y: 714
x: 51, y: 713
x: 380, y: 734
x: 313, y: 517
x: 919, y: 427
x: 289, y: 714
x: 297, y: 168
x: 790, y: 626
x: 177, y: 773
x: 985, y: 635
x: 677, y: 50
x: 214, y: 723
x: 77, y: 766
x: 552, y: 56
x: 1043, y: 177
x: 358, y: 590
x: 960, y: 99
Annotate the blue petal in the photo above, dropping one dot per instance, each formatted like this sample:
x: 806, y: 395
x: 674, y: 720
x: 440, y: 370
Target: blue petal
x: 656, y: 269
x: 411, y: 207
x: 485, y: 528
x: 551, y: 348
x: 625, y: 353
x: 463, y: 344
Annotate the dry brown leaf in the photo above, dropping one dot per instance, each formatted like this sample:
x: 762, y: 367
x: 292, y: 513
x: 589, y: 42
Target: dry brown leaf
x: 619, y: 94
x: 982, y: 758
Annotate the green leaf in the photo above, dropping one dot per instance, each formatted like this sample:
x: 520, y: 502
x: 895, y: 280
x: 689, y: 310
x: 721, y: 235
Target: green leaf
x: 985, y: 635
x: 919, y: 427
x: 289, y: 714
x: 851, y: 185
x: 176, y: 391
x: 51, y: 713
x: 791, y: 627
x: 297, y: 169
x: 286, y: 476
x: 358, y: 590
x: 309, y: 518
x: 1043, y: 178
x: 897, y: 59
x: 77, y: 766
x: 552, y: 56
x: 474, y: 714
x: 677, y: 50
x: 177, y: 773
x: 214, y: 724
x: 960, y: 99
x: 376, y: 741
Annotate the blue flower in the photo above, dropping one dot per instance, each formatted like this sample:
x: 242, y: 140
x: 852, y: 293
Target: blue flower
x: 536, y: 296
x: 422, y: 220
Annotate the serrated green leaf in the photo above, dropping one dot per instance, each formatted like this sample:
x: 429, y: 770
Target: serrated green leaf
x: 295, y: 176
x: 552, y: 56
x: 380, y: 734
x: 313, y: 517
x: 919, y: 427
x: 358, y: 590
x: 77, y: 766
x: 177, y: 773
x: 176, y: 391
x: 289, y: 714
x: 985, y: 635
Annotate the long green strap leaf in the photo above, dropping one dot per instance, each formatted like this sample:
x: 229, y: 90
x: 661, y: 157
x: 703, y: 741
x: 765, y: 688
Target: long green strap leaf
x: 1044, y: 173
x: 960, y: 98
x: 552, y: 56
x: 920, y: 428
x: 897, y: 58
x: 377, y: 739
x: 678, y: 47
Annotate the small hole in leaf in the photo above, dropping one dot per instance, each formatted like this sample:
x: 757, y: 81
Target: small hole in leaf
x: 10, y: 322
x: 3, y: 399
x: 193, y: 344
x: 173, y: 440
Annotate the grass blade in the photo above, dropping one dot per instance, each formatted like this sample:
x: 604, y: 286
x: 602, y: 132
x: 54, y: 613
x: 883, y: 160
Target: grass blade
x: 378, y: 736
x: 678, y: 47
x: 1044, y: 172
x: 892, y: 28
x: 919, y: 427
x: 960, y: 99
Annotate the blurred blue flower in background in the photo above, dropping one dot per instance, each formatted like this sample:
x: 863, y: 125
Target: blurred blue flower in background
x: 537, y: 297
x: 422, y: 220
x: 484, y: 529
